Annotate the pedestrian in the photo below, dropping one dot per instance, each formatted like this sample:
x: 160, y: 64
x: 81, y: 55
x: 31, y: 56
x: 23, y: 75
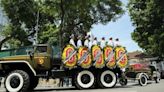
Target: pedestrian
x: 110, y: 42
x: 79, y: 42
x: 72, y: 42
x: 102, y: 42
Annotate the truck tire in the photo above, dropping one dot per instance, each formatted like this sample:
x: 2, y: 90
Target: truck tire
x: 107, y: 79
x: 143, y: 80
x: 84, y: 80
x: 33, y: 82
x: 17, y: 80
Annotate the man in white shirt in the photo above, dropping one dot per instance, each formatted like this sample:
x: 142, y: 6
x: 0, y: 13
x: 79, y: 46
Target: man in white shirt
x: 86, y: 42
x: 110, y: 42
x: 90, y: 44
x: 95, y: 41
x: 117, y: 43
x: 72, y: 42
x: 102, y: 43
x: 91, y: 36
x: 79, y: 42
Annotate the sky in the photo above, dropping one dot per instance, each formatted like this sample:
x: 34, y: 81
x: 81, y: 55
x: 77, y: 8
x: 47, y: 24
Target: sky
x: 122, y: 29
x: 2, y: 17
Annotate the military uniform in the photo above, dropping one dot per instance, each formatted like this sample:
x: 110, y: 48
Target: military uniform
x: 103, y: 43
x: 79, y: 43
x: 110, y: 42
x: 86, y: 42
x: 117, y: 43
x: 95, y: 41
x: 72, y: 42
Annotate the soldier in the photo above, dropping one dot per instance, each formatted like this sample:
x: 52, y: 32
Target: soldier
x: 90, y: 43
x: 79, y: 42
x: 110, y: 42
x: 95, y: 41
x: 86, y: 42
x: 91, y: 37
x: 117, y: 43
x: 72, y: 42
x: 102, y: 43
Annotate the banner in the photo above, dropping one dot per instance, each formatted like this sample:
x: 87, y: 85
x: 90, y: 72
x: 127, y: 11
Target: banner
x: 69, y: 56
x: 109, y: 57
x: 121, y: 57
x: 97, y: 56
x: 84, y: 57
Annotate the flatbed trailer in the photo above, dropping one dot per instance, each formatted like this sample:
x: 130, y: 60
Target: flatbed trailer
x: 142, y: 73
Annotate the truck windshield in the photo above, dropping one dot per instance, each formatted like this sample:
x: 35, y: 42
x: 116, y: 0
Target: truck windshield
x: 41, y: 49
x: 13, y: 52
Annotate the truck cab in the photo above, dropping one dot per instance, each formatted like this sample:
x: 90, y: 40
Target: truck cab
x: 37, y: 56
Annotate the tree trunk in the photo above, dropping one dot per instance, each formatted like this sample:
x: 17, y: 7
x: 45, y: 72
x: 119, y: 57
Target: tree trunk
x: 61, y: 25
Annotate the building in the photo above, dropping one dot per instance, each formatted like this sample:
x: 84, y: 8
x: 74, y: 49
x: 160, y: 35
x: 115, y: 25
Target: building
x: 138, y: 57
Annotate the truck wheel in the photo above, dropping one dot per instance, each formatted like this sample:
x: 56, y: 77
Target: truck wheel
x: 107, y: 79
x: 143, y: 80
x: 17, y: 80
x: 33, y: 82
x: 84, y: 79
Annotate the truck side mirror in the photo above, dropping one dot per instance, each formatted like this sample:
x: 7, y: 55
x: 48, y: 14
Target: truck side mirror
x: 30, y: 53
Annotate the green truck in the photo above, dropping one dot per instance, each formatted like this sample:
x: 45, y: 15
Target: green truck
x: 22, y: 68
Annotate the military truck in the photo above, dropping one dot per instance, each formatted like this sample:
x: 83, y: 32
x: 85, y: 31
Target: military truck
x: 22, y: 67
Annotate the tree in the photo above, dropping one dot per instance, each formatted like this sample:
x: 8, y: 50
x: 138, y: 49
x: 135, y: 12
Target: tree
x: 78, y: 16
x: 18, y: 15
x: 148, y: 18
x: 60, y: 18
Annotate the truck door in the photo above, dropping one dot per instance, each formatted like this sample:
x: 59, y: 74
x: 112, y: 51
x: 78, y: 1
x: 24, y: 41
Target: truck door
x: 42, y: 57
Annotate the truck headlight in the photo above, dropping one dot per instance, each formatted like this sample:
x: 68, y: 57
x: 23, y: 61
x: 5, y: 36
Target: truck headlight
x: 40, y: 61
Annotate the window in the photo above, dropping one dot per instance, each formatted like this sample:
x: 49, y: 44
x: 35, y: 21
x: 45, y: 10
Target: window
x: 41, y: 49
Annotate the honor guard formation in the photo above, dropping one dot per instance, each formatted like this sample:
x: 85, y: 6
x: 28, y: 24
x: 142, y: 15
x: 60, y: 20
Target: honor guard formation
x: 91, y: 52
x: 88, y: 42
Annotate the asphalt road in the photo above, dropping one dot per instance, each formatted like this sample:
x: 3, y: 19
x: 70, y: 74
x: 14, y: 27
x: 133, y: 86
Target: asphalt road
x: 131, y: 87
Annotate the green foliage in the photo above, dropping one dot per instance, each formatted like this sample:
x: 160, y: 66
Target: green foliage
x: 10, y: 31
x: 49, y: 35
x: 147, y: 17
x: 14, y: 43
x: 59, y: 18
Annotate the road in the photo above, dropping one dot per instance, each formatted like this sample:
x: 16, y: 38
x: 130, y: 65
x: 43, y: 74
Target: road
x: 131, y: 87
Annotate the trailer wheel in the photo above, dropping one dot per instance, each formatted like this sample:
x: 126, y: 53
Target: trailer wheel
x: 123, y: 81
x: 84, y: 79
x: 107, y: 79
x: 157, y: 79
x: 17, y: 80
x: 143, y: 80
x: 33, y: 82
